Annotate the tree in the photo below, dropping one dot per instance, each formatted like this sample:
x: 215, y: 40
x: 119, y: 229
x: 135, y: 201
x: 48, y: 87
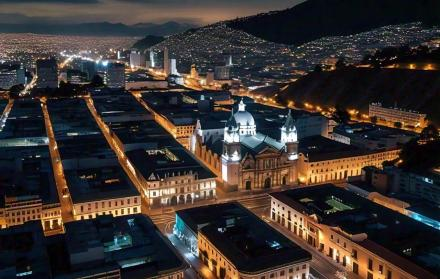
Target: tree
x: 398, y: 125
x: 97, y: 81
x: 421, y: 157
x: 14, y: 91
x: 341, y: 115
x: 226, y: 87
x: 430, y: 132
x: 318, y: 68
x: 340, y: 64
x: 373, y: 119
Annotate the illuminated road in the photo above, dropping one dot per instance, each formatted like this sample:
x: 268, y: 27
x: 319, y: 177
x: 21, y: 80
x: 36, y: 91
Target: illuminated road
x: 259, y: 204
x: 5, y: 113
x: 60, y: 180
x: 122, y: 158
x: 27, y: 89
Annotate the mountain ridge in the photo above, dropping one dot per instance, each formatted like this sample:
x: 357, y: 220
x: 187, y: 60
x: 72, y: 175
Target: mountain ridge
x: 97, y: 28
x: 314, y: 19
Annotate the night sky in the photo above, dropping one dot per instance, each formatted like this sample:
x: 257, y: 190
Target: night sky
x: 133, y: 11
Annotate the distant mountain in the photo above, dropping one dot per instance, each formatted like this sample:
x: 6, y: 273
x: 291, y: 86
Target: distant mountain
x: 97, y: 28
x: 358, y: 87
x: 314, y: 19
x: 148, y: 42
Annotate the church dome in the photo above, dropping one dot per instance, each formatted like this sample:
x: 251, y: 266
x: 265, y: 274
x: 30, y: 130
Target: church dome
x: 245, y: 120
x: 243, y: 117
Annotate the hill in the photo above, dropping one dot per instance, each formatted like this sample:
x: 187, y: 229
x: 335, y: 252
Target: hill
x: 97, y: 28
x: 314, y: 19
x: 358, y: 87
x: 148, y: 42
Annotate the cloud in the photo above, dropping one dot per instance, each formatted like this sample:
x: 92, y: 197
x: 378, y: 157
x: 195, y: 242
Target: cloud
x: 49, y: 1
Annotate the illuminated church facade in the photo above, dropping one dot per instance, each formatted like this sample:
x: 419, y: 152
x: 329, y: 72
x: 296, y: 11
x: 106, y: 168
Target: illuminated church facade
x: 246, y: 159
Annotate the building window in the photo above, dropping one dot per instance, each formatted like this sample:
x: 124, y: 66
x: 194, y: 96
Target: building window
x: 389, y: 274
x: 355, y: 268
x: 381, y: 269
x: 354, y: 254
x: 370, y: 264
x: 369, y: 275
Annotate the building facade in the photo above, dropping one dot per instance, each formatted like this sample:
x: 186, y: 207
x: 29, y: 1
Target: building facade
x: 247, y: 160
x: 47, y: 74
x: 357, y: 244
x: 397, y: 115
x: 170, y: 176
x: 115, y: 75
x: 319, y: 164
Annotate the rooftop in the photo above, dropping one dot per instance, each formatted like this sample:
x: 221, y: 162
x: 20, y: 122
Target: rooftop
x: 318, y: 148
x: 130, y: 243
x: 99, y: 184
x: 247, y: 241
x: 26, y: 173
x: 24, y: 125
x: 394, y: 236
x: 167, y: 162
x: 23, y: 252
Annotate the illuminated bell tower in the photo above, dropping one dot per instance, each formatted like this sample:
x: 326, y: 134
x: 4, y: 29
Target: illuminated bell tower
x: 289, y: 137
x: 231, y: 152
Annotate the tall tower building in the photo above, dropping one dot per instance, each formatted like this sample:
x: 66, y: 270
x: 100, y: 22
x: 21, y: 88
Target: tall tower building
x: 152, y: 59
x: 137, y: 59
x: 222, y: 73
x: 166, y: 62
x: 194, y: 73
x: 173, y: 65
x: 289, y: 137
x: 47, y: 73
x: 115, y: 77
x: 231, y: 152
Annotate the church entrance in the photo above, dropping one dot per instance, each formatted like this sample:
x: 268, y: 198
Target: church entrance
x: 267, y: 182
x: 248, y: 185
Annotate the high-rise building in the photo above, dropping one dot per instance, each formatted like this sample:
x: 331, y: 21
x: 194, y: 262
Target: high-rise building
x: 11, y: 74
x: 47, y: 73
x: 209, y: 77
x: 152, y: 59
x: 166, y: 62
x: 222, y: 72
x: 137, y: 59
x: 228, y: 60
x: 115, y: 77
x: 194, y: 73
x: 173, y: 65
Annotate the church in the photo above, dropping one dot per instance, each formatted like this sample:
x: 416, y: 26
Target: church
x: 244, y: 158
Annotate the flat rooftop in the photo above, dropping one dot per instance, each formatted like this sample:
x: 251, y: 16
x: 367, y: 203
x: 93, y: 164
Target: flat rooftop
x: 371, y: 131
x: 319, y: 148
x: 143, y: 132
x: 23, y: 252
x: 26, y: 173
x: 25, y: 121
x: 71, y: 117
x: 390, y: 233
x: 246, y: 240
x: 167, y: 162
x: 95, y: 184
x: 130, y: 243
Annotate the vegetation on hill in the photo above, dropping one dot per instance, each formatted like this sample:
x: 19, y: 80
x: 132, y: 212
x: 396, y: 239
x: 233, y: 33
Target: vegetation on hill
x: 148, y: 42
x: 314, y: 19
x: 351, y: 87
x: 404, y: 54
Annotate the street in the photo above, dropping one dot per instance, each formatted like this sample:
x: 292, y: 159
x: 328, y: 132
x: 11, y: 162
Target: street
x: 320, y: 267
x: 60, y: 180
